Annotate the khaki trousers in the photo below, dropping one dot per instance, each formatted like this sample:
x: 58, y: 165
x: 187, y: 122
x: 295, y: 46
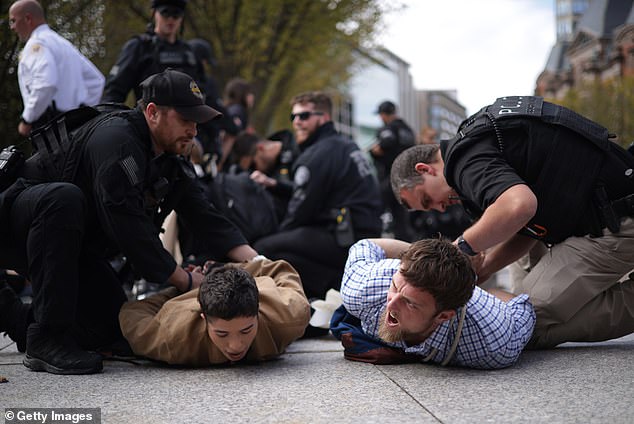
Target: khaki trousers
x: 576, y: 291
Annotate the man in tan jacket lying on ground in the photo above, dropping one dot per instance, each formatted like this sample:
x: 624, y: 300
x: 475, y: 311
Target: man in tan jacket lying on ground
x: 250, y: 311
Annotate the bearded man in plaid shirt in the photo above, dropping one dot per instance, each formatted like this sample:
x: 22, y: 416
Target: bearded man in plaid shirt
x: 427, y: 304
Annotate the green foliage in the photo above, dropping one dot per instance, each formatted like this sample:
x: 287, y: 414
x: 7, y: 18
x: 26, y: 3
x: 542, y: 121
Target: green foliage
x: 80, y: 21
x: 10, y: 100
x: 282, y: 47
x: 610, y: 103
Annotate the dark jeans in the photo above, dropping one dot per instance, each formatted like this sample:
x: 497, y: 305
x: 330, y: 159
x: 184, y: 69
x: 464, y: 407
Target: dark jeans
x: 72, y: 290
x: 313, y: 252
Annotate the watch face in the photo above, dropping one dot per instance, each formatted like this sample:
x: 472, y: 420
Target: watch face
x: 464, y: 246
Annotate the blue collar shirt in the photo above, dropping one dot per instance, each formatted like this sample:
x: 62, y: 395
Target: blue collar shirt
x: 493, y: 334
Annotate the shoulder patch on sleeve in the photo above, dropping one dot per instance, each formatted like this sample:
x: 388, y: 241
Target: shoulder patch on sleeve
x: 302, y: 175
x: 114, y: 70
x: 36, y: 48
x: 386, y: 133
x: 131, y: 170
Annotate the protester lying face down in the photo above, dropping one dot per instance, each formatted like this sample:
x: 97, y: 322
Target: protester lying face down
x: 228, y: 298
x: 419, y: 302
x: 126, y: 178
x: 249, y: 311
x: 530, y: 171
x: 431, y: 283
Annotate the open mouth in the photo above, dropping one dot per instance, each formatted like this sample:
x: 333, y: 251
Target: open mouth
x: 391, y: 319
x: 235, y: 356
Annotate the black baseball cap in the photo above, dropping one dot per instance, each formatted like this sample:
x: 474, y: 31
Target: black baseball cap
x: 178, y: 90
x: 386, y: 107
x: 160, y: 4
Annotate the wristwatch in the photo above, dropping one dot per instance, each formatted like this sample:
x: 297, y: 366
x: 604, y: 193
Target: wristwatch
x: 465, y: 247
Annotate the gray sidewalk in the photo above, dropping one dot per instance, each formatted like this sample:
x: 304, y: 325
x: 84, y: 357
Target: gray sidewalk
x: 313, y: 383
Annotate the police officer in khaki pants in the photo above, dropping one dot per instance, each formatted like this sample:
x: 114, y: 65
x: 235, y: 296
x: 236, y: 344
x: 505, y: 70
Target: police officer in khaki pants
x: 533, y: 171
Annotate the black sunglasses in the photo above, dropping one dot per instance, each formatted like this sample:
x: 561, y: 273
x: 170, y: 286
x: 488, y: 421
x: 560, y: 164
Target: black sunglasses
x: 304, y: 116
x: 173, y: 12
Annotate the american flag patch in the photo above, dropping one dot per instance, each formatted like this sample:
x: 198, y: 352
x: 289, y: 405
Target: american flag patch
x: 131, y: 169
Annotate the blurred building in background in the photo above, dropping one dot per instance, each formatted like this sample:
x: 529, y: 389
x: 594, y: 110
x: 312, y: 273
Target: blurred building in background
x: 440, y: 114
x: 595, y: 40
x: 380, y: 75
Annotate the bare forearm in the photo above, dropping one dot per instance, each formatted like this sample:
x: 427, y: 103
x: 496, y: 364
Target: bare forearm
x: 504, y: 296
x: 181, y: 278
x: 503, y: 219
x: 505, y: 254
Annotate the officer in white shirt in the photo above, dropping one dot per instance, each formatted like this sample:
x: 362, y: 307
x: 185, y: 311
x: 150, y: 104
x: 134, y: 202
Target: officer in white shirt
x: 53, y: 75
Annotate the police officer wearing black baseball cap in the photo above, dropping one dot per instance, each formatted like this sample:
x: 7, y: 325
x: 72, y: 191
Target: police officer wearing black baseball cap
x: 153, y: 52
x: 179, y: 91
x: 130, y: 175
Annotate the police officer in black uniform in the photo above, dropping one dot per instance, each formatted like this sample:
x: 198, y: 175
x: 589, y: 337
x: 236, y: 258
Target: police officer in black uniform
x: 530, y: 171
x: 124, y: 174
x: 153, y: 52
x: 335, y: 199
x: 394, y: 137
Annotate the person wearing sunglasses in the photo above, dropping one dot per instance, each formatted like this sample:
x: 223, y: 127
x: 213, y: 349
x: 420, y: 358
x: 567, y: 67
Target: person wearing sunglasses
x: 152, y: 52
x: 335, y: 199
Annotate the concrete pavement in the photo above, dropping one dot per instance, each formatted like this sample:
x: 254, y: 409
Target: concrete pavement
x: 313, y: 383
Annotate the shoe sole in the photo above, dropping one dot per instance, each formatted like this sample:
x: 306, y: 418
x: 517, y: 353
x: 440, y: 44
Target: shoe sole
x: 40, y: 365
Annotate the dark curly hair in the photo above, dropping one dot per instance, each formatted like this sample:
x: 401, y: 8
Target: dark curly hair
x: 228, y: 292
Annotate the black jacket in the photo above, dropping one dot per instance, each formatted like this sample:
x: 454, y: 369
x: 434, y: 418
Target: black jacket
x: 145, y: 55
x: 130, y: 192
x: 393, y: 139
x: 332, y: 173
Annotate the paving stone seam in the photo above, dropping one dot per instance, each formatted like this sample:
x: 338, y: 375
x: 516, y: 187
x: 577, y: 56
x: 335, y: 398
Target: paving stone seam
x: 408, y: 393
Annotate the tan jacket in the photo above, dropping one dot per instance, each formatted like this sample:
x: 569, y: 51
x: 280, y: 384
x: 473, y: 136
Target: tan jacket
x: 168, y: 327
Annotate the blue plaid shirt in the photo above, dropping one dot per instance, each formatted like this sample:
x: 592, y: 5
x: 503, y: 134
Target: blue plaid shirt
x: 493, y: 334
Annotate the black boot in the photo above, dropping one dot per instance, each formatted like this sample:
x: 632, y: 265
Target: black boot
x: 57, y: 353
x: 14, y: 315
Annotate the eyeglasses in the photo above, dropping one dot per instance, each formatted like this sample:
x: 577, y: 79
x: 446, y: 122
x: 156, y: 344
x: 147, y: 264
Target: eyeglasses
x: 304, y: 116
x: 171, y: 12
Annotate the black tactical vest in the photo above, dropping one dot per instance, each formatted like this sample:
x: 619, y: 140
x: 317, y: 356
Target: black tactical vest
x: 564, y: 188
x: 156, y: 55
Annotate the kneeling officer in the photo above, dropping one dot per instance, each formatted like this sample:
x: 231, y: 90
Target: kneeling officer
x: 103, y: 191
x: 531, y: 170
